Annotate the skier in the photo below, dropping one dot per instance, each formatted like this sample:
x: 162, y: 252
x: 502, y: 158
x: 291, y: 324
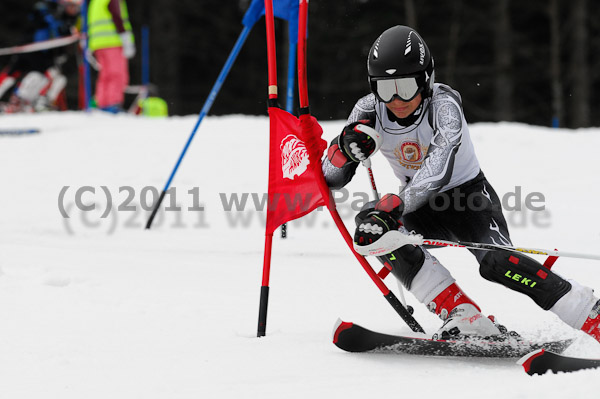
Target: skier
x: 445, y: 196
x: 36, y: 78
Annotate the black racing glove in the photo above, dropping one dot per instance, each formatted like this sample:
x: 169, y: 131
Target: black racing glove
x: 356, y: 145
x: 372, y: 224
x: 351, y: 145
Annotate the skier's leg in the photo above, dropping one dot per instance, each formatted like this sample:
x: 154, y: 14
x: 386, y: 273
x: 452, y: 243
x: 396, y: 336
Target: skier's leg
x: 573, y: 303
x: 579, y: 308
x: 423, y: 276
x: 6, y: 82
x: 30, y: 88
x: 484, y: 221
x: 433, y: 285
x: 58, y: 82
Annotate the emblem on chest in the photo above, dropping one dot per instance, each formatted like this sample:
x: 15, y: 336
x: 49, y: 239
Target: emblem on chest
x: 410, y: 154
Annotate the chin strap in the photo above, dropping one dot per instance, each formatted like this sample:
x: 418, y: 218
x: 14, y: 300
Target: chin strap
x: 409, y: 120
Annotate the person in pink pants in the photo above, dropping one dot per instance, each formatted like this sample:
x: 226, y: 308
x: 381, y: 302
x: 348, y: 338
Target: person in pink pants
x: 113, y: 77
x: 112, y: 42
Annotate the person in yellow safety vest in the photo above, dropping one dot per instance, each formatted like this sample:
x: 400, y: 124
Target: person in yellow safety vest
x: 111, y: 40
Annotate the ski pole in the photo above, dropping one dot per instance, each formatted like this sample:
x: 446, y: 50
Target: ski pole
x: 372, y: 178
x: 378, y: 138
x: 394, y: 239
x: 488, y: 247
x: 367, y: 164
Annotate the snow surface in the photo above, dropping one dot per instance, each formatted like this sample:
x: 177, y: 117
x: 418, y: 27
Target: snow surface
x: 94, y: 307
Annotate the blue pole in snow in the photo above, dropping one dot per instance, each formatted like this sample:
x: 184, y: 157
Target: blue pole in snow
x: 205, y: 109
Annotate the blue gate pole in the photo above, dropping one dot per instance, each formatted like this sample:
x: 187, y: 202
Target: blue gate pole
x: 289, y: 102
x: 87, y: 82
x: 205, y: 109
x: 145, y: 55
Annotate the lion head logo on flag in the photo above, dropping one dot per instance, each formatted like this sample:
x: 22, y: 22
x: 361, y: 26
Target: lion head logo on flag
x: 294, y: 157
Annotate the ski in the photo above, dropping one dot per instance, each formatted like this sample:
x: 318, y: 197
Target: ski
x: 15, y: 132
x: 354, y: 338
x: 542, y: 361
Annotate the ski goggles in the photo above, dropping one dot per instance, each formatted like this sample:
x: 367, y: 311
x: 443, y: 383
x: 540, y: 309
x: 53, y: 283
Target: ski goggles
x: 385, y: 89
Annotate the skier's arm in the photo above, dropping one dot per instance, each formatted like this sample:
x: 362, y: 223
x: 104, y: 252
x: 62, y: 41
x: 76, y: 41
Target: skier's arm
x: 337, y: 171
x: 436, y: 170
x: 114, y: 7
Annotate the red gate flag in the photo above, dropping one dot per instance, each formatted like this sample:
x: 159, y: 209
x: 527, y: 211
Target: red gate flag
x: 294, y: 168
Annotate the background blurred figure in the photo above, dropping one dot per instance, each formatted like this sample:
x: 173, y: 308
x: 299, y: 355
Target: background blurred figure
x: 112, y: 42
x: 34, y: 81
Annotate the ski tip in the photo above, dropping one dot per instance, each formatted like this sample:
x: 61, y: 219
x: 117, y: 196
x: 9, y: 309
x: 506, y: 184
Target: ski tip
x: 526, y: 360
x: 339, y: 326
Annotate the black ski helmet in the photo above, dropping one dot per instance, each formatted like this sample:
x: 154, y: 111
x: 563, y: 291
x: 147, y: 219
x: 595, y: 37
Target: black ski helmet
x: 401, y: 52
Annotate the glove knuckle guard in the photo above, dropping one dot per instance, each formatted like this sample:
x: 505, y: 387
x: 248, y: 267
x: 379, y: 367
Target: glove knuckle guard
x: 336, y: 156
x: 389, y: 203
